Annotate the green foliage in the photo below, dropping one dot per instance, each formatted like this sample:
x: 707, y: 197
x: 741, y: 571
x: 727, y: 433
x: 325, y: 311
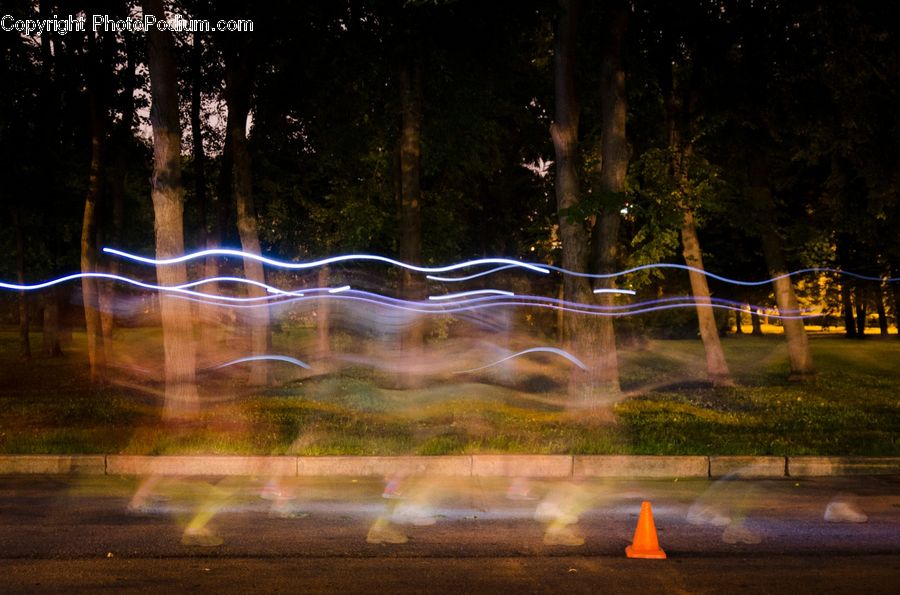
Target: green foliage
x: 653, y: 217
x: 593, y: 203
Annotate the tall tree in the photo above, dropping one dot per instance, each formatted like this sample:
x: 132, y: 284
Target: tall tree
x: 96, y: 80
x: 681, y: 67
x: 197, y: 149
x: 323, y: 317
x: 410, y: 88
x: 610, y: 183
x: 239, y: 64
x: 24, y: 341
x: 47, y: 128
x: 121, y: 142
x: 181, y: 398
x: 762, y: 55
x: 681, y: 153
x: 895, y: 292
x: 210, y: 209
x: 564, y: 133
x: 591, y: 338
x: 760, y: 198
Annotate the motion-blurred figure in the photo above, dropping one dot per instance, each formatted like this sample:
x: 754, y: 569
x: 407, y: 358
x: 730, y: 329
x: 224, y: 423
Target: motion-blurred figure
x: 559, y: 511
x: 844, y: 509
x: 727, y: 504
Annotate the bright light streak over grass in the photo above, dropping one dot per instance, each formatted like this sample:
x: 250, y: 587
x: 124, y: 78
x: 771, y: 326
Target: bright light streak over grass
x: 553, y: 350
x: 183, y: 289
x: 469, y: 277
x: 530, y: 301
x: 458, y: 305
x: 256, y: 358
x: 684, y: 267
x: 325, y: 261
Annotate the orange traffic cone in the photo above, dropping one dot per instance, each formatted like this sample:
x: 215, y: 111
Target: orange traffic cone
x: 645, y: 544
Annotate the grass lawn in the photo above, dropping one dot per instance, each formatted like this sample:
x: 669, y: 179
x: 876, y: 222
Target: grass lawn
x: 853, y: 407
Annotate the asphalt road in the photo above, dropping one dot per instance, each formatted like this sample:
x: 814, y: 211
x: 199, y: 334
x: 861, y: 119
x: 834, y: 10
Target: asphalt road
x: 91, y: 534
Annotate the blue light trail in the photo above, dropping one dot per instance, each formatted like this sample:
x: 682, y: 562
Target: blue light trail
x: 554, y: 350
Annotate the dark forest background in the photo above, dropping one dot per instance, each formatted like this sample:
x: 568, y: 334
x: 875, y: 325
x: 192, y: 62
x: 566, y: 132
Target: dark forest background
x: 746, y: 137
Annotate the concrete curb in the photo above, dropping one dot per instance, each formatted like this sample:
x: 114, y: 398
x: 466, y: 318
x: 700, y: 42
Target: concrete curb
x: 521, y: 465
x: 548, y: 466
x: 81, y: 464
x: 640, y: 466
x: 188, y: 465
x: 748, y: 467
x: 384, y: 466
x: 841, y: 466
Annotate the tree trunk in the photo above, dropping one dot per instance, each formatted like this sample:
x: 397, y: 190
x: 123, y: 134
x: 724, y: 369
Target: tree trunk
x: 168, y: 207
x: 738, y: 322
x: 412, y: 286
x: 610, y: 186
x: 681, y: 152
x: 48, y: 127
x: 24, y: 339
x: 116, y: 173
x: 199, y: 153
x: 716, y: 366
x: 799, y: 354
x: 561, y: 335
x: 755, y: 322
x: 882, y: 315
x: 580, y: 332
x: 895, y: 288
x: 847, y: 307
x: 106, y: 291
x: 564, y: 133
x: 844, y: 262
x: 606, y: 361
x: 323, y: 315
x: 217, y: 223
x: 237, y: 94
x: 209, y: 225
x: 51, y: 345
x: 89, y: 286
x: 860, y: 312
